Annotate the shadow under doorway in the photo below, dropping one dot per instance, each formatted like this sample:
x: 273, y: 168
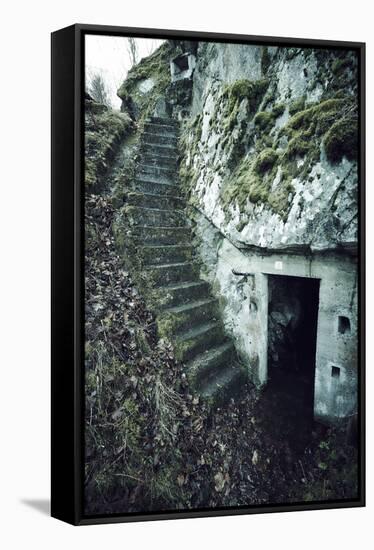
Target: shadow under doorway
x: 288, y: 399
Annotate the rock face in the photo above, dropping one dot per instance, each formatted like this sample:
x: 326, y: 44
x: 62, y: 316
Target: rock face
x: 270, y: 168
x: 270, y: 146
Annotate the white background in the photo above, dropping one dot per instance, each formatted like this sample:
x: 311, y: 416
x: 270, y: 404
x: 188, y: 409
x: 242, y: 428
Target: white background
x: 25, y: 305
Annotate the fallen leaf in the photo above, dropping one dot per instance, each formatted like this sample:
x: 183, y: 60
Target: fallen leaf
x: 219, y: 482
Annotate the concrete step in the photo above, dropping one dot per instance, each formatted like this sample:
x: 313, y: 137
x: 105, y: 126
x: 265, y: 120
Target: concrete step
x: 163, y: 129
x: 174, y: 253
x: 209, y: 361
x: 160, y: 235
x: 152, y: 200
x: 156, y: 186
x: 160, y: 161
x: 198, y: 339
x: 225, y: 384
x: 169, y: 140
x: 155, y: 157
x: 153, y: 217
x: 150, y: 170
x: 181, y: 293
x: 165, y: 274
x: 163, y: 121
x: 158, y: 148
x: 184, y: 317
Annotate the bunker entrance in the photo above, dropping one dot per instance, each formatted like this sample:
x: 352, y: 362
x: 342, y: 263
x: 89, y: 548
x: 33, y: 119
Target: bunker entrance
x: 292, y: 335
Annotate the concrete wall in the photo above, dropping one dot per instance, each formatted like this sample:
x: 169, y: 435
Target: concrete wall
x: 244, y: 302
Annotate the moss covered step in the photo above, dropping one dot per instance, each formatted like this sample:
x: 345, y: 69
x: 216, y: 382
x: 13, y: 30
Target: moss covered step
x: 181, y: 293
x: 153, y: 200
x: 207, y: 363
x: 153, y: 217
x: 152, y: 138
x: 192, y: 342
x: 224, y: 384
x: 156, y: 186
x: 164, y: 274
x: 151, y: 170
x: 181, y: 318
x: 174, y: 253
x: 160, y: 235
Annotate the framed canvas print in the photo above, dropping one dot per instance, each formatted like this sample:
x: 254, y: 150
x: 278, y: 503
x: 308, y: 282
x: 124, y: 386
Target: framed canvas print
x: 207, y: 274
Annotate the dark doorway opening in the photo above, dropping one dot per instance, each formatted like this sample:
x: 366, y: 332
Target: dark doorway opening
x: 292, y: 335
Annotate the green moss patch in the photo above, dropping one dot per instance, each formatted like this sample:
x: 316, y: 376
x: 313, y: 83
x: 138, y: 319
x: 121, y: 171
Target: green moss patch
x: 297, y: 148
x: 278, y: 109
x: 253, y: 90
x: 264, y: 119
x: 297, y: 105
x: 232, y: 96
x: 245, y: 184
x: 332, y: 122
x: 341, y: 140
x: 265, y: 160
x: 253, y: 179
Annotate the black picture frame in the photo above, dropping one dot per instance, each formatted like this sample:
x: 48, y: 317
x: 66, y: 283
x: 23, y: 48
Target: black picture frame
x: 67, y: 403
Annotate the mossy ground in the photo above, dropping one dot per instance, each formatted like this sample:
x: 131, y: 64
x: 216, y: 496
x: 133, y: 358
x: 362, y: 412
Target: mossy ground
x: 104, y: 130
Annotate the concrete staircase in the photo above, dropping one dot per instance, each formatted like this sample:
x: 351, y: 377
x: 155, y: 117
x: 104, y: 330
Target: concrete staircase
x: 187, y: 313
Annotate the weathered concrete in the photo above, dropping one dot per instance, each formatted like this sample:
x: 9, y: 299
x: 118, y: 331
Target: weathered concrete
x: 182, y: 66
x: 244, y: 302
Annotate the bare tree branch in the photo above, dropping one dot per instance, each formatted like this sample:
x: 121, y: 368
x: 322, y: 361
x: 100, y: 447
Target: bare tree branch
x: 98, y: 89
x: 132, y: 49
